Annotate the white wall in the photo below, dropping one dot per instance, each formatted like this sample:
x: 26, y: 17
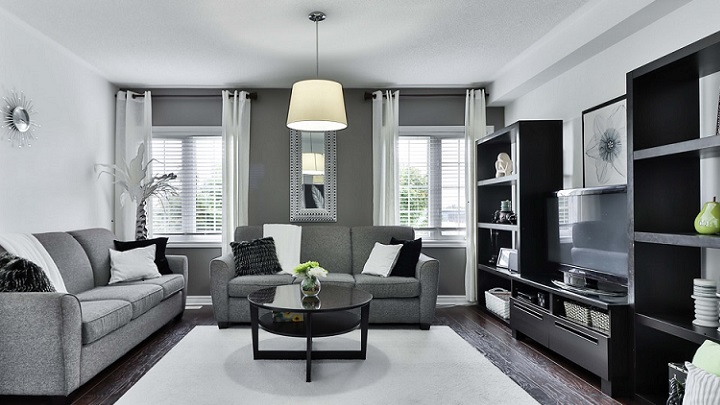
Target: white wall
x: 602, y: 77
x: 52, y: 185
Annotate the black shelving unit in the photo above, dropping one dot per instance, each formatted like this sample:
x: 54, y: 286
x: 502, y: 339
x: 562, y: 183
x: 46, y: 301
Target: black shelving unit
x: 535, y: 148
x: 666, y: 148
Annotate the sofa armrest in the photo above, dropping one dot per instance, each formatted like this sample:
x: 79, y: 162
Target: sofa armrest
x: 179, y: 265
x: 428, y: 272
x: 40, y: 343
x: 222, y: 270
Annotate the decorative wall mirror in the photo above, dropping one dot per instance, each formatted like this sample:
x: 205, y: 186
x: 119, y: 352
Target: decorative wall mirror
x: 312, y: 176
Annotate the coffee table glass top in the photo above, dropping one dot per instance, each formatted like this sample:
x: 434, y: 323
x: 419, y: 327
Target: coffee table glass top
x: 290, y: 298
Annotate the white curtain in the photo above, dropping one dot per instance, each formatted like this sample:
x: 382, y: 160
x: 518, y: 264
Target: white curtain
x: 133, y: 126
x: 236, y: 163
x: 385, y: 162
x: 475, y: 128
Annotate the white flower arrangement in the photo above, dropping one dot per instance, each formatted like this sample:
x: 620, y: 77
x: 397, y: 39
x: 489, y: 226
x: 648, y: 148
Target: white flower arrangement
x: 309, y: 269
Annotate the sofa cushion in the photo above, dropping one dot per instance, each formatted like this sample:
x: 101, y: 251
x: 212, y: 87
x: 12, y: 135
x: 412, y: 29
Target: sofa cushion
x: 328, y: 245
x: 364, y: 238
x: 141, y: 297
x: 18, y: 274
x: 170, y: 283
x: 388, y: 287
x: 338, y: 279
x: 96, y: 243
x: 242, y: 286
x: 70, y: 258
x: 102, y: 317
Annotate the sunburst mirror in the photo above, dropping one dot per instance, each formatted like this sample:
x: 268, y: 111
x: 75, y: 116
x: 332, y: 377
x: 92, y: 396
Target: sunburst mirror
x: 17, y: 119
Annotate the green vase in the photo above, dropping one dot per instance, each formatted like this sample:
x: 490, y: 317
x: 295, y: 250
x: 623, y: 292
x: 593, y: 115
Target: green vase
x: 707, y: 221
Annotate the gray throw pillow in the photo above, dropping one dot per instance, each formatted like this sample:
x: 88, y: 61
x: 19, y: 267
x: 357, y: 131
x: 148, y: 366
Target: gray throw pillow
x: 21, y: 275
x: 255, y: 257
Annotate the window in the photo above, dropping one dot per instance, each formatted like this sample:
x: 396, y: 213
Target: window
x: 194, y: 154
x: 432, y: 181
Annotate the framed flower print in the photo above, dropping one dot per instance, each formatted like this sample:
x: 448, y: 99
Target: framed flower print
x: 605, y: 144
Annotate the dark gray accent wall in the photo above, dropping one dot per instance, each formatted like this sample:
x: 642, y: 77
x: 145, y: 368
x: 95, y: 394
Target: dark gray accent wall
x: 269, y: 188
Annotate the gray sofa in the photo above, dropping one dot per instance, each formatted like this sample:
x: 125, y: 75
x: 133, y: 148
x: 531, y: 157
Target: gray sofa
x: 52, y: 343
x: 343, y: 251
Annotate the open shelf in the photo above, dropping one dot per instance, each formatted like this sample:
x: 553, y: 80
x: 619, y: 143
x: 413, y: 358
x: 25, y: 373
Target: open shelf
x: 702, y: 147
x: 679, y: 239
x: 499, y: 181
x: 498, y: 271
x: 682, y: 328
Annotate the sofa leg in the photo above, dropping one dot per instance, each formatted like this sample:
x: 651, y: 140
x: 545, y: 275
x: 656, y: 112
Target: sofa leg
x: 58, y: 400
x: 179, y: 316
x: 425, y: 326
x: 223, y: 325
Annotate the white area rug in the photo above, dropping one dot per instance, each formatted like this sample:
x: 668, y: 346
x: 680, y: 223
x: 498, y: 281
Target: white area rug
x: 403, y: 366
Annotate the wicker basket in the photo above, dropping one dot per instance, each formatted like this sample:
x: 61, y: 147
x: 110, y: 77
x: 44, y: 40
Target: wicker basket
x: 497, y: 301
x: 577, y: 313
x: 600, y: 320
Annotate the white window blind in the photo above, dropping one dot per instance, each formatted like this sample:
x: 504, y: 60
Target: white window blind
x: 195, y: 156
x: 432, y: 181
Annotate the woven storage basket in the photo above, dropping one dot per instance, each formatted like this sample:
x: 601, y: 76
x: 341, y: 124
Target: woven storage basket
x: 577, y: 313
x: 600, y: 320
x: 497, y: 301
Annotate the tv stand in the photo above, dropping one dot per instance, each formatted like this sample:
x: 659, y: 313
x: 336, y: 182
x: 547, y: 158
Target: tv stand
x: 591, y: 331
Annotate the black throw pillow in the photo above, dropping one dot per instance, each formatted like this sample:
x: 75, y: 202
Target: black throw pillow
x: 255, y: 257
x: 408, y: 257
x: 160, y: 244
x: 22, y: 275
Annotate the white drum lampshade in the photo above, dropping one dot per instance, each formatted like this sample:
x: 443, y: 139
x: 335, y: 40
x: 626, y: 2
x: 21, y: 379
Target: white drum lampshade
x: 317, y: 105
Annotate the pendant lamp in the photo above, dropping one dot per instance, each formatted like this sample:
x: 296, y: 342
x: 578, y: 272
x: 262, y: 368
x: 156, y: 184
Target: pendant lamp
x: 317, y: 105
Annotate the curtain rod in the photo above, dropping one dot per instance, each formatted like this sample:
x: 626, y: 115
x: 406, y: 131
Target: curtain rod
x: 369, y: 95
x: 251, y: 96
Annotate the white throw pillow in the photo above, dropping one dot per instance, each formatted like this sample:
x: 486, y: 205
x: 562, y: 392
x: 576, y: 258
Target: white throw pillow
x: 382, y: 259
x: 701, y: 387
x: 133, y: 264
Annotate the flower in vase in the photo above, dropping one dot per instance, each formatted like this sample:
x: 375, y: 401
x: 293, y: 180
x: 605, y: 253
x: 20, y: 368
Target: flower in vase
x: 309, y: 269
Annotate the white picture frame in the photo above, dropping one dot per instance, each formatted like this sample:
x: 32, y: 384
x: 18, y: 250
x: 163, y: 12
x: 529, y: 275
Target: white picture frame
x: 605, y: 143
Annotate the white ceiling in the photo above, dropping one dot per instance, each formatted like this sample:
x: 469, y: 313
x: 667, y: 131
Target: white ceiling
x: 271, y: 43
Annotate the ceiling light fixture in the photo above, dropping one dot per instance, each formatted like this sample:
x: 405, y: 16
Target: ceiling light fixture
x: 317, y: 105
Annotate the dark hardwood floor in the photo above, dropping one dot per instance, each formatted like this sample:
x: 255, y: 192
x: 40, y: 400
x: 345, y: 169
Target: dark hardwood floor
x: 549, y: 378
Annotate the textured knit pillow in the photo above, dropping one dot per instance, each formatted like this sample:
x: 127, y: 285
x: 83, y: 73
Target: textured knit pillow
x: 160, y: 244
x: 22, y: 275
x: 701, y: 387
x: 255, y: 257
x: 409, y: 255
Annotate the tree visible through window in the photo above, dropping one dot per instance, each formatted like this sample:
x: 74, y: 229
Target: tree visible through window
x: 432, y: 181
x: 195, y: 156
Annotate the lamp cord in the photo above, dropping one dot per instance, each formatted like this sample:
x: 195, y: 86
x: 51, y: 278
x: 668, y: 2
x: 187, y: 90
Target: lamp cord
x: 317, y: 57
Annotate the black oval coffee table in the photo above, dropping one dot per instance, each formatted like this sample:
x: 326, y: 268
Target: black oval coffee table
x: 328, y: 314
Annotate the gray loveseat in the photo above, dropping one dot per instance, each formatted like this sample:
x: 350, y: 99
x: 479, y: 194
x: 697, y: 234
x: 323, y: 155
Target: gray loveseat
x: 343, y: 251
x: 52, y: 343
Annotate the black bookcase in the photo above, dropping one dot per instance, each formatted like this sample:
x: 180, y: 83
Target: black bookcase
x: 666, y: 148
x: 536, y: 151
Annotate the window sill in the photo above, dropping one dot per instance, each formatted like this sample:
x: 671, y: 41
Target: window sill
x: 194, y: 245
x: 454, y: 244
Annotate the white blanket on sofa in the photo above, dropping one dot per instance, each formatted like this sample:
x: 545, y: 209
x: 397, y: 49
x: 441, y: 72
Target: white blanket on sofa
x: 288, y: 239
x: 28, y: 247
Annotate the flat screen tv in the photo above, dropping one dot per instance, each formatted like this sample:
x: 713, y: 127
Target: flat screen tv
x: 587, y: 235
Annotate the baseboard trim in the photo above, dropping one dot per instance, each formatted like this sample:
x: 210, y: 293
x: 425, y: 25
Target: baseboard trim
x: 442, y: 300
x: 195, y: 300
x: 451, y: 300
